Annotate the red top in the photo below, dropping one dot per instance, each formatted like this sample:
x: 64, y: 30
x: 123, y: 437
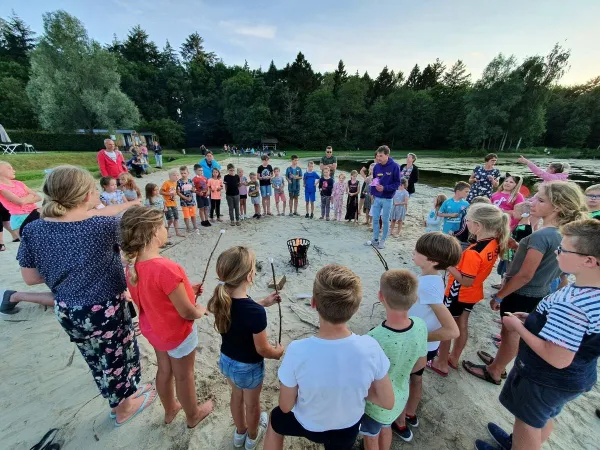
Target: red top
x: 160, y: 322
x: 110, y: 168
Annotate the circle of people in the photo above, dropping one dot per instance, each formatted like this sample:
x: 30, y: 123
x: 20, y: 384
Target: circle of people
x: 550, y: 327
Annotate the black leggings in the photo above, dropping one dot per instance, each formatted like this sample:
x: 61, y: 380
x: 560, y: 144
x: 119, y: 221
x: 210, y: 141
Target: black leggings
x: 215, y: 205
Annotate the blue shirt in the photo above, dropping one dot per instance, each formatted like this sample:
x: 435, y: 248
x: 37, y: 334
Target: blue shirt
x: 452, y: 206
x: 309, y: 179
x: 206, y: 170
x: 79, y: 261
x: 293, y: 183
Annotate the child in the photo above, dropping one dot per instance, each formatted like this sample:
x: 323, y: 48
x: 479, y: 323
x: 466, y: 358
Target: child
x: 153, y: 198
x: 18, y: 199
x: 554, y: 171
x: 337, y: 195
x: 352, y: 204
x: 325, y: 188
x: 404, y: 342
x: 243, y: 192
x: 254, y: 194
x: 264, y: 174
x: 509, y: 195
x: 334, y: 372
x: 168, y: 191
x: 464, y: 237
x: 433, y: 252
x: 465, y: 285
x: 232, y: 194
x: 130, y: 189
x: 185, y: 191
x: 310, y: 181
x: 167, y: 304
x: 433, y: 221
x: 278, y: 183
x: 110, y: 195
x: 294, y: 175
x: 592, y: 199
x: 559, y: 347
x: 202, y: 195
x: 400, y: 202
x: 215, y: 185
x: 453, y: 209
x: 366, y: 195
x: 242, y: 323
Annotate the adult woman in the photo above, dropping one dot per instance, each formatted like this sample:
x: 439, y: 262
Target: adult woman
x: 75, y: 253
x: 410, y: 172
x: 484, y: 178
x: 532, y: 270
x: 554, y: 171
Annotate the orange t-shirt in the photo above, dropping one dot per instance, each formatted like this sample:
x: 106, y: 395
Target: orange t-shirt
x: 160, y: 322
x: 213, y: 185
x: 477, y: 262
x: 169, y: 186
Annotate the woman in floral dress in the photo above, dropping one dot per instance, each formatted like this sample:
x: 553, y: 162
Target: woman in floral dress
x: 485, y: 179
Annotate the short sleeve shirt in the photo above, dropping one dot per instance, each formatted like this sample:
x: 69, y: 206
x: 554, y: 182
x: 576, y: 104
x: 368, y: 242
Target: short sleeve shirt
x: 169, y: 186
x: 231, y: 184
x: 291, y: 173
x: 452, y: 206
x: 326, y: 186
x: 263, y: 171
x: 309, y: 181
x: 201, y: 185
x: 247, y: 319
x: 253, y: 189
x: 482, y: 186
x: 112, y: 198
x: 277, y: 183
x: 326, y: 160
x: 430, y: 292
x: 20, y: 190
x: 186, y: 188
x: 214, y: 184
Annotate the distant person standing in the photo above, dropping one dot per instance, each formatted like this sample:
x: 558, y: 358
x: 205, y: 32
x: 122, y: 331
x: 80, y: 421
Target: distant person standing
x: 410, y: 172
x: 110, y: 160
x: 484, y: 179
x: 157, y: 149
x: 208, y: 164
x: 329, y: 161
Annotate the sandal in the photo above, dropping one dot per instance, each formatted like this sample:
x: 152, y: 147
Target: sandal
x: 146, y: 403
x: 485, y: 375
x: 145, y: 388
x: 489, y: 359
x: 438, y: 371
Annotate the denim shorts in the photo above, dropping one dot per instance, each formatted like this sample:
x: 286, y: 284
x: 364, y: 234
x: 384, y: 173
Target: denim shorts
x: 171, y: 213
x: 370, y: 427
x: 255, y: 200
x: 265, y: 191
x: 531, y: 402
x: 242, y: 375
x: 310, y: 196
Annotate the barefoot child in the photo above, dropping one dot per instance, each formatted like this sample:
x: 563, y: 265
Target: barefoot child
x: 167, y: 304
x: 400, y: 203
x: 559, y: 347
x: 18, y: 199
x: 243, y: 193
x: 185, y: 191
x: 325, y: 379
x: 254, y: 194
x: 110, y: 195
x: 592, y: 198
x: 242, y: 323
x: 337, y: 195
x: 311, y: 179
x: 294, y: 175
x: 278, y: 183
x: 202, y: 195
x: 404, y: 341
x: 433, y: 221
x: 168, y: 191
x: 215, y: 185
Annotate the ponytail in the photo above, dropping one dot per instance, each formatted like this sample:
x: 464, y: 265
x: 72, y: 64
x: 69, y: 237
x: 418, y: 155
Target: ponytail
x: 503, y: 233
x: 130, y: 259
x: 493, y: 220
x: 220, y: 306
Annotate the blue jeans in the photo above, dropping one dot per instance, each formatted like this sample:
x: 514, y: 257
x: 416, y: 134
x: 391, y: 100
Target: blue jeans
x: 379, y: 205
x: 158, y: 159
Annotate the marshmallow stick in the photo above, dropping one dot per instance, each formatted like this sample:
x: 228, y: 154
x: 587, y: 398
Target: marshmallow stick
x: 222, y: 232
x: 277, y: 292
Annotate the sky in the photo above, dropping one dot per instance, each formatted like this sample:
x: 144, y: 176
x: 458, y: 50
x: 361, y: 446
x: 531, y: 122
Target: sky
x: 367, y: 35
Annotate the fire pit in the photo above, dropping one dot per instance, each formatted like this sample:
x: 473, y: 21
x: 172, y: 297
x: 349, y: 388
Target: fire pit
x: 299, y: 252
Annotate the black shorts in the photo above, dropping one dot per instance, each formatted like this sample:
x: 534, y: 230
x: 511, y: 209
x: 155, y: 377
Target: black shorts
x: 518, y: 303
x: 287, y: 425
x: 243, y: 196
x: 4, y: 214
x: 430, y: 357
x: 456, y: 308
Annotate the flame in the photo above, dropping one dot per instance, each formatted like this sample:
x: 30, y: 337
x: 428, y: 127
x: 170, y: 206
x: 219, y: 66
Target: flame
x: 298, y: 242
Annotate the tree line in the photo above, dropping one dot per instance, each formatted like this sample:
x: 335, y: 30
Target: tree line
x: 64, y: 80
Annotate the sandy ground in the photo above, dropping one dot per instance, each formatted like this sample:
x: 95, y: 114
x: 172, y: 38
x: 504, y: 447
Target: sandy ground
x: 44, y: 382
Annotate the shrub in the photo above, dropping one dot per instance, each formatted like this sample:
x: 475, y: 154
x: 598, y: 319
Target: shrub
x: 44, y: 141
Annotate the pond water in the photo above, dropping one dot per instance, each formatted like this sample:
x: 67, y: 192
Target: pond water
x: 445, y: 172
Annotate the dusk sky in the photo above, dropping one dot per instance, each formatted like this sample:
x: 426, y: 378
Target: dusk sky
x: 367, y: 35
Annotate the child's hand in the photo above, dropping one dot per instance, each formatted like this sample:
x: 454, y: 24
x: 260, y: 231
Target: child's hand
x: 278, y: 351
x: 271, y: 300
x: 198, y: 288
x: 512, y: 323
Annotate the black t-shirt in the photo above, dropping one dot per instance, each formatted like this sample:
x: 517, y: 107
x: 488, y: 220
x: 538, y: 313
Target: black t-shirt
x: 247, y: 318
x: 263, y: 171
x: 326, y: 186
x: 231, y: 183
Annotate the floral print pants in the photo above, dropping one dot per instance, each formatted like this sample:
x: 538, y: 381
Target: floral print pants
x: 105, y: 337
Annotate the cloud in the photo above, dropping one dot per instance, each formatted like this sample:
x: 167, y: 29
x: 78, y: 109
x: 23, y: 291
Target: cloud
x: 258, y: 31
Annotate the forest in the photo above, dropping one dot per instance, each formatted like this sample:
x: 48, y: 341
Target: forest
x: 62, y: 80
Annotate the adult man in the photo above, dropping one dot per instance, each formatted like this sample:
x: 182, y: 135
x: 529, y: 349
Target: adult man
x: 157, y: 154
x: 386, y: 179
x: 208, y: 164
x: 329, y: 161
x: 110, y: 160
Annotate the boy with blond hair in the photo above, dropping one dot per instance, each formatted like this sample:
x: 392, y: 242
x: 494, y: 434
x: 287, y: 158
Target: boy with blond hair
x: 592, y: 199
x: 404, y: 341
x: 169, y: 192
x: 324, y: 370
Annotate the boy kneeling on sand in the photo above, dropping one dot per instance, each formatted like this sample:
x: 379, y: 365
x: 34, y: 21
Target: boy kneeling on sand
x: 326, y: 379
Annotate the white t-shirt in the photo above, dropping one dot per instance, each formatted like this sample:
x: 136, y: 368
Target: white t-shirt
x: 333, y: 379
x: 431, y: 292
x: 111, y: 155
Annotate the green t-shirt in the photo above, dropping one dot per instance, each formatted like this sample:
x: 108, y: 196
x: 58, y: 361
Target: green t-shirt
x: 403, y: 348
x: 595, y: 215
x: 326, y: 160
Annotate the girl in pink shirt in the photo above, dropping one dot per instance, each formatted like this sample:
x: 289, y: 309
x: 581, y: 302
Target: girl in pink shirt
x: 555, y: 171
x: 17, y: 198
x: 508, y: 196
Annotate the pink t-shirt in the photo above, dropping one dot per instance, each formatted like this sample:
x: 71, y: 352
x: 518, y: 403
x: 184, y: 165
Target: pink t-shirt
x: 500, y: 199
x: 20, y: 190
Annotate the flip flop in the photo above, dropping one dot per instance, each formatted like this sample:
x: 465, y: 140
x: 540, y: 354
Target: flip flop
x: 452, y: 365
x: 489, y: 359
x: 438, y: 371
x: 496, y: 337
x: 146, y: 388
x: 17, y: 240
x: 485, y: 376
x: 142, y: 407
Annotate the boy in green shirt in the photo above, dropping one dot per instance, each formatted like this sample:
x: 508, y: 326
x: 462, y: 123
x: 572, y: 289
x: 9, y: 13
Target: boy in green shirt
x: 404, y: 341
x: 592, y: 198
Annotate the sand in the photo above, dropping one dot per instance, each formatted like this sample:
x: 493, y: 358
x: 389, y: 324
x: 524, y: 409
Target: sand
x: 44, y: 382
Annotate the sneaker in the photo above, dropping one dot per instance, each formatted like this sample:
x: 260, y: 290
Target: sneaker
x: 482, y: 445
x: 208, y: 224
x: 372, y: 243
x: 291, y: 214
x: 251, y: 444
x: 255, y: 216
x: 296, y: 214
x: 7, y: 308
x: 381, y: 245
x: 502, y: 438
x: 232, y: 223
x: 238, y: 224
x: 404, y: 433
x: 306, y: 216
x: 239, y: 439
x: 412, y: 421
x: 312, y: 216
x: 258, y: 216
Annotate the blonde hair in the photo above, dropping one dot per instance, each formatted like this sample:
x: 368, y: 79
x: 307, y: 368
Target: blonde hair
x: 65, y: 188
x: 439, y: 200
x: 233, y: 267
x: 139, y: 225
x: 568, y: 198
x: 586, y: 236
x: 337, y: 292
x: 342, y: 176
x: 484, y: 200
x: 354, y: 173
x: 593, y: 188
x: 516, y: 190
x: 399, y: 289
x: 493, y: 220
